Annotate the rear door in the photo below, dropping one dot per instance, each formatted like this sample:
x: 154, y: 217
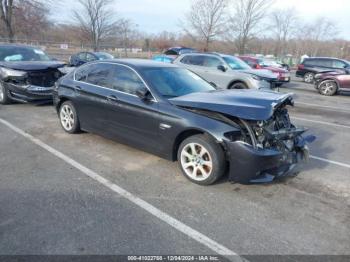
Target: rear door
x: 93, y: 96
x: 193, y: 63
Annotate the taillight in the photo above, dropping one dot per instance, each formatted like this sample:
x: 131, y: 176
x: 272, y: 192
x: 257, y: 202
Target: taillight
x: 258, y: 66
x: 301, y: 67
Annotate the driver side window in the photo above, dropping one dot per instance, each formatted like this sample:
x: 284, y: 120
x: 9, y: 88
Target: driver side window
x: 212, y: 62
x: 125, y: 80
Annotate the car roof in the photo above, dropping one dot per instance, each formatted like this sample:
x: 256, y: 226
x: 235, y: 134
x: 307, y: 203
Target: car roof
x: 19, y: 46
x: 326, y: 58
x: 139, y: 63
x: 323, y: 58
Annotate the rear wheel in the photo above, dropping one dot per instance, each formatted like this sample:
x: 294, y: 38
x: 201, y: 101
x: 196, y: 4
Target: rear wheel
x: 328, y: 88
x: 201, y: 160
x: 4, y: 99
x: 69, y: 118
x: 239, y: 85
x: 309, y: 78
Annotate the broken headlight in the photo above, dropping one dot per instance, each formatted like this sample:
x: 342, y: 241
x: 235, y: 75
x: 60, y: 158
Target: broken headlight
x: 6, y: 72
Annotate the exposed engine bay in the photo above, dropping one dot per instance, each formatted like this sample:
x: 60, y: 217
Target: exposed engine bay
x: 261, y: 151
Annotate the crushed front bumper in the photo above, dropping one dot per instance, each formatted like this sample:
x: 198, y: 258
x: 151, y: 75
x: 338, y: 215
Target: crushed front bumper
x: 249, y: 165
x: 29, y: 93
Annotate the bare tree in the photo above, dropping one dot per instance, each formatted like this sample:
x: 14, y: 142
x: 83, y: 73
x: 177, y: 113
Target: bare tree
x: 95, y: 19
x: 246, y: 19
x: 283, y: 23
x: 127, y: 32
x: 31, y: 19
x: 206, y: 20
x: 313, y: 36
x: 6, y: 15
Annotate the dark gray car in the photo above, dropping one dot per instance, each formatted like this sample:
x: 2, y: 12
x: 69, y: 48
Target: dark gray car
x: 227, y: 72
x: 174, y: 113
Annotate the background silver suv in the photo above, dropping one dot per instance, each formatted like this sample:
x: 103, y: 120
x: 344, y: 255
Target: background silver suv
x: 226, y: 72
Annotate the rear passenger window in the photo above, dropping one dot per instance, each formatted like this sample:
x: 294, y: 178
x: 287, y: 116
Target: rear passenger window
x: 193, y: 60
x: 327, y: 63
x: 82, y: 56
x: 99, y: 75
x: 125, y: 80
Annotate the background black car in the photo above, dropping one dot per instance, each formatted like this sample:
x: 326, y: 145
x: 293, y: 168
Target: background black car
x: 85, y: 57
x: 315, y: 65
x: 176, y: 51
x: 174, y: 113
x: 27, y: 74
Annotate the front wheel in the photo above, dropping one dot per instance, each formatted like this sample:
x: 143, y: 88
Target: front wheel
x: 69, y: 118
x: 239, y: 85
x: 4, y: 99
x: 328, y: 88
x: 201, y: 160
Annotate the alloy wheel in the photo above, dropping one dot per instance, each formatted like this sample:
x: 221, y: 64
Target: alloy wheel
x: 196, y: 162
x: 309, y: 78
x: 67, y: 117
x: 328, y: 88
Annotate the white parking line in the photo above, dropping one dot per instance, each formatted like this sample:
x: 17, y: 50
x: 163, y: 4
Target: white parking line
x: 173, y: 222
x: 330, y: 161
x: 322, y: 106
x: 320, y: 122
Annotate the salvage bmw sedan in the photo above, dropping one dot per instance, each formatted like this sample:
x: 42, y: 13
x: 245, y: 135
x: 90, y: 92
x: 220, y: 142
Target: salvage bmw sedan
x: 27, y: 74
x: 174, y: 113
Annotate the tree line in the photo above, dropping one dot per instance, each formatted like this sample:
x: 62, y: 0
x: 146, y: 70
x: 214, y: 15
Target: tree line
x: 230, y: 26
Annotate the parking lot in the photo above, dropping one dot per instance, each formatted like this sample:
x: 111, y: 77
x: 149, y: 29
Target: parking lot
x: 83, y: 194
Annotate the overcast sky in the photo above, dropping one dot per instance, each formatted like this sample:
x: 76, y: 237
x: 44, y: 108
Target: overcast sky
x: 154, y: 16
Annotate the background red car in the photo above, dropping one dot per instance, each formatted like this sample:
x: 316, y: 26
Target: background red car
x: 258, y: 63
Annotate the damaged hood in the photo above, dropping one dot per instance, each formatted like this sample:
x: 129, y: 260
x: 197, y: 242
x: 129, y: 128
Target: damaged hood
x: 245, y: 104
x: 267, y: 74
x: 32, y: 65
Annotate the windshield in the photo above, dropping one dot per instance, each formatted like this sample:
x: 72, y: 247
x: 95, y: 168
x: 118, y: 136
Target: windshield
x: 269, y: 63
x: 174, y: 82
x: 16, y: 53
x: 236, y: 63
x: 104, y: 56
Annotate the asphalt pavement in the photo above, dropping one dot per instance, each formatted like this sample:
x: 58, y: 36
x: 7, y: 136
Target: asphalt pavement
x: 82, y: 194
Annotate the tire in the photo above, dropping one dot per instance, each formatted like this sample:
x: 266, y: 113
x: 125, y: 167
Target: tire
x: 206, y: 165
x: 328, y: 88
x: 239, y: 85
x: 309, y: 78
x: 69, y: 118
x: 4, y: 99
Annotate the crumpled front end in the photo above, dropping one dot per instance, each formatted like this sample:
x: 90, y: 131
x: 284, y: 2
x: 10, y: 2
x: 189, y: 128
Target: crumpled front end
x: 268, y: 150
x: 249, y: 165
x: 31, y: 86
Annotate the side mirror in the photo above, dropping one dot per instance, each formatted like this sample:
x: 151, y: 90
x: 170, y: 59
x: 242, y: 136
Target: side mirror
x: 222, y: 68
x: 142, y: 93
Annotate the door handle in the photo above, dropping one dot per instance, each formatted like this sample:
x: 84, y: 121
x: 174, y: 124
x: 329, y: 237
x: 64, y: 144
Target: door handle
x: 112, y: 98
x: 78, y: 88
